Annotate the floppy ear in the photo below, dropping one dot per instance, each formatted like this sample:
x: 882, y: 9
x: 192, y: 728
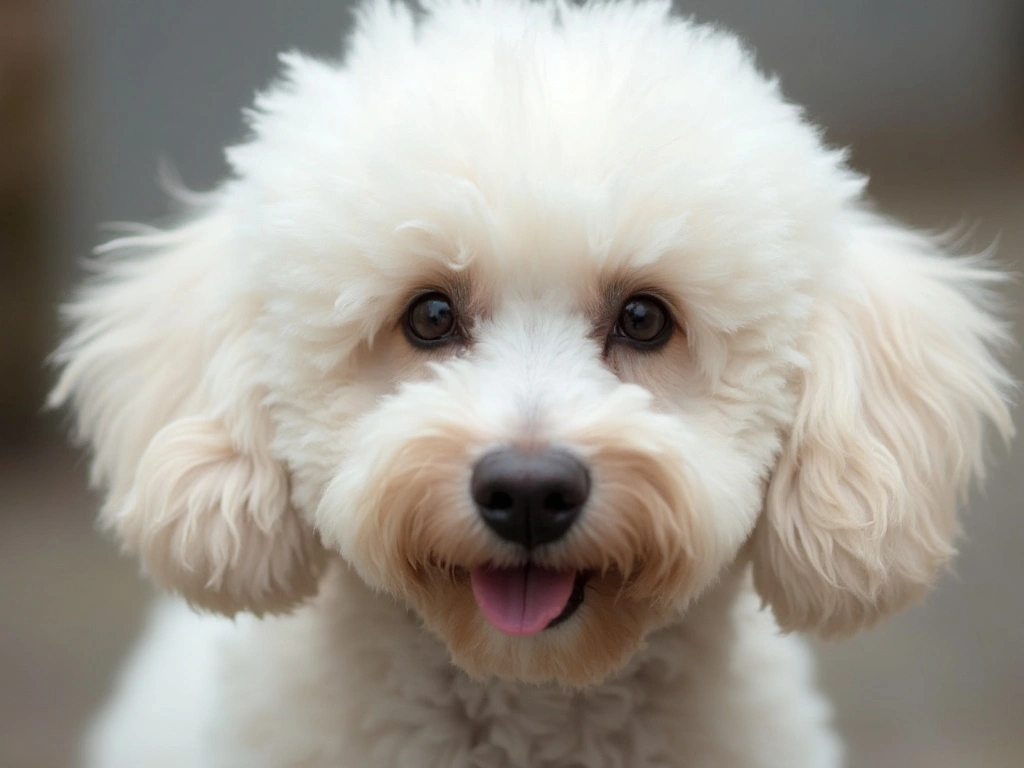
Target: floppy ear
x: 159, y: 378
x: 859, y: 517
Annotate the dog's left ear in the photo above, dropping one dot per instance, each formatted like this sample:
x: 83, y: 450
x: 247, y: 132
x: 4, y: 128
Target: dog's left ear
x: 161, y: 375
x: 860, y: 512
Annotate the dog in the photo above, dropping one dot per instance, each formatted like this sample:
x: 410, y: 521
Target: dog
x: 537, y: 376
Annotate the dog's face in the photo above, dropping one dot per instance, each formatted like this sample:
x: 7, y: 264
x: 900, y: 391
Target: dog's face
x: 538, y: 324
x: 538, y: 424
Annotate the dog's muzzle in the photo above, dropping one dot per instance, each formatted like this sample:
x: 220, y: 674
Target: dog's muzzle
x: 529, y: 498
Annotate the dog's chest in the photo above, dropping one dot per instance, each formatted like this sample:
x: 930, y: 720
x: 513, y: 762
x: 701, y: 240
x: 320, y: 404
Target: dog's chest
x: 469, y: 725
x: 311, y: 692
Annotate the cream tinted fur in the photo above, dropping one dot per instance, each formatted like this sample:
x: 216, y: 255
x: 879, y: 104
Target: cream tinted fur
x: 725, y: 689
x: 269, y: 442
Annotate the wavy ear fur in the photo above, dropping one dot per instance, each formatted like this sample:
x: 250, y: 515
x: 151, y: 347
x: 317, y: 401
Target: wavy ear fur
x: 860, y: 511
x: 158, y: 376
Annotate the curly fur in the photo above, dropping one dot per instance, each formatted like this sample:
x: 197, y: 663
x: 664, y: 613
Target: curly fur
x: 269, y: 443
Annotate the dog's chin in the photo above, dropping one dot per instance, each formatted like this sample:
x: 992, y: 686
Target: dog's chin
x: 592, y: 635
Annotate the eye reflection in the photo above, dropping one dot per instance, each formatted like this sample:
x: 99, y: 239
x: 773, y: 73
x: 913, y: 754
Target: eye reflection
x: 430, y: 320
x: 644, y: 322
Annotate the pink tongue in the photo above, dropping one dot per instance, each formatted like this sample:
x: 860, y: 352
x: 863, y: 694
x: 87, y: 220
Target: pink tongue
x: 521, y: 601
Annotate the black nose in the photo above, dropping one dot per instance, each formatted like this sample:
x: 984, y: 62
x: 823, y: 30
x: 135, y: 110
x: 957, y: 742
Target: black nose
x: 530, y: 497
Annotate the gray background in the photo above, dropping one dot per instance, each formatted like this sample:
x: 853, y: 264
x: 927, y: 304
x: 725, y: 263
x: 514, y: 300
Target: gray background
x: 928, y: 91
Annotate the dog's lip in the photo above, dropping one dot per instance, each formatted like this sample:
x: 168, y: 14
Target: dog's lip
x: 579, y: 588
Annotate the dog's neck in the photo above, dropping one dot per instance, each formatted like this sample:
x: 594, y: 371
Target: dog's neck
x: 369, y: 658
x: 706, y: 629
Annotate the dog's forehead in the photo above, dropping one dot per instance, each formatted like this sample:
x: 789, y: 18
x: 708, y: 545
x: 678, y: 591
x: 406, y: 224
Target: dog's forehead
x: 543, y: 247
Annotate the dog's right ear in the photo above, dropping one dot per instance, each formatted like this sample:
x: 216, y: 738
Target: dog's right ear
x: 159, y: 375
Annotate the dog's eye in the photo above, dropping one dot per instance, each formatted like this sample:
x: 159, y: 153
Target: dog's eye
x: 430, y: 320
x: 644, y: 322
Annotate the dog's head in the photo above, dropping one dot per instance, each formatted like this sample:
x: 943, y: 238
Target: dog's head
x: 540, y: 317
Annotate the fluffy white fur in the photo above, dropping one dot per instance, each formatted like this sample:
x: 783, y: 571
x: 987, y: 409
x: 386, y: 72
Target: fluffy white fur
x: 270, y: 443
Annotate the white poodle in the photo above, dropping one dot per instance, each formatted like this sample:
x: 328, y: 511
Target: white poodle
x: 535, y: 366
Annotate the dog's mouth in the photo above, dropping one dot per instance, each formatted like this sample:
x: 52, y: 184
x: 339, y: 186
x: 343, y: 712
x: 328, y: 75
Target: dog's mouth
x: 528, y: 599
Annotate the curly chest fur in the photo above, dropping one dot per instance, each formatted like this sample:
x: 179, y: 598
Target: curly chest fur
x: 500, y: 725
x: 714, y: 685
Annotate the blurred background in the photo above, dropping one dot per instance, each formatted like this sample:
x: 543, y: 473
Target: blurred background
x: 95, y: 93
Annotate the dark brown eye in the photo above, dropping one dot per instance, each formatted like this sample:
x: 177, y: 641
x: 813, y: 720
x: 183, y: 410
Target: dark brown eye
x: 644, y: 322
x: 430, y: 320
